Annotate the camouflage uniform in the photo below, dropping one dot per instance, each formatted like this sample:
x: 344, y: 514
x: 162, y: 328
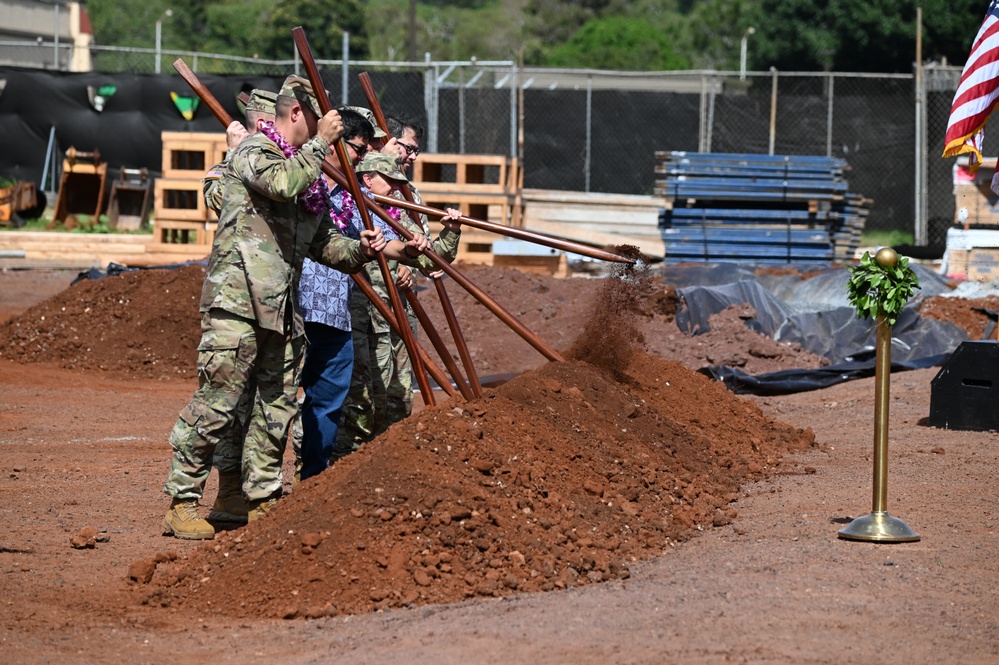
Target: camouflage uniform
x: 381, y: 390
x: 251, y: 328
x: 229, y: 451
x: 400, y: 382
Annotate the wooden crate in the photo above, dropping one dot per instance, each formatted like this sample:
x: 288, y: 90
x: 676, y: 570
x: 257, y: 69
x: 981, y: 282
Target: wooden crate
x: 190, y: 154
x: 983, y: 264
x: 496, y: 209
x: 183, y: 232
x: 957, y: 263
x: 179, y: 200
x: 467, y: 174
x: 556, y: 266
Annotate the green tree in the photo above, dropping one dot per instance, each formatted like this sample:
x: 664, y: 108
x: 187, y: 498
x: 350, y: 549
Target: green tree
x: 950, y: 27
x: 618, y: 43
x: 548, y: 23
x: 238, y: 28
x: 126, y: 23
x: 491, y: 30
x: 324, y: 21
x: 713, y: 31
x: 858, y: 35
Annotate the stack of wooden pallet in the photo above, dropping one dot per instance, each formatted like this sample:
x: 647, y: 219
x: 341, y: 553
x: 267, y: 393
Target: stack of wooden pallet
x: 480, y: 186
x: 179, y: 210
x: 758, y: 208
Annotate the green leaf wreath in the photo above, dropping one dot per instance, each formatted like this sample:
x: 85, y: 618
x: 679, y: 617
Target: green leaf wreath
x: 877, y: 290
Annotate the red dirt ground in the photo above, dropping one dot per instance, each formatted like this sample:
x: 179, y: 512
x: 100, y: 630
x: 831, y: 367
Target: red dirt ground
x: 549, y: 521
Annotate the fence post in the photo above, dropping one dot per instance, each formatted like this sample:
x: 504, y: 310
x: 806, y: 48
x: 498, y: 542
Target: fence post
x: 919, y: 217
x: 461, y: 110
x: 589, y: 131
x: 708, y: 136
x: 701, y: 113
x: 514, y: 88
x: 829, y: 119
x: 430, y: 101
x: 56, y: 40
x: 345, y: 68
x: 773, y: 109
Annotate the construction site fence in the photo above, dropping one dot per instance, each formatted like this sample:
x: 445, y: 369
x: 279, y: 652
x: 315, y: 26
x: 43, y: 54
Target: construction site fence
x: 598, y: 131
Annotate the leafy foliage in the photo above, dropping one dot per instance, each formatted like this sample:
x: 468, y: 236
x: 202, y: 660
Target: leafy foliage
x: 324, y: 22
x: 858, y: 35
x: 618, y: 43
x: 713, y: 31
x: 489, y: 30
x: 875, y: 290
x: 799, y: 35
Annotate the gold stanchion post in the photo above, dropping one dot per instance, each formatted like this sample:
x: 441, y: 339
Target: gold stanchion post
x: 879, y: 526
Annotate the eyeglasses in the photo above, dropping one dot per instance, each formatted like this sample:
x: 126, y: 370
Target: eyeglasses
x: 411, y: 150
x: 361, y: 150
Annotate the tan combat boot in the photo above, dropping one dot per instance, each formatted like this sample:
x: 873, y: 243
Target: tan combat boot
x: 261, y: 507
x: 230, y: 505
x: 183, y: 521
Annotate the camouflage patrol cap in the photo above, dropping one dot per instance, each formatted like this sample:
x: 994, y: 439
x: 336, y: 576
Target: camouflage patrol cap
x: 301, y: 89
x: 380, y: 162
x: 370, y: 117
x: 262, y: 101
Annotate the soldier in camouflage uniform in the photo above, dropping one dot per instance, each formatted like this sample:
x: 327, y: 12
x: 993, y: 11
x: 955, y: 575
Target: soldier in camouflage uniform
x: 366, y: 412
x: 408, y: 134
x: 251, y: 328
x: 229, y: 505
x: 259, y: 108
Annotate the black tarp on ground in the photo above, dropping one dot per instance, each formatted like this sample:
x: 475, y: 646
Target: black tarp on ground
x: 799, y: 317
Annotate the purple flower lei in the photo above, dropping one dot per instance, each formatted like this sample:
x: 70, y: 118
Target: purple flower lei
x: 314, y: 200
x: 342, y: 218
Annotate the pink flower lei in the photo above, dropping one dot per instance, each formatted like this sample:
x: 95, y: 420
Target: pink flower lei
x: 315, y: 199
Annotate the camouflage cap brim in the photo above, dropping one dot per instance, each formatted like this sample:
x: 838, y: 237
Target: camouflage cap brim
x: 385, y: 164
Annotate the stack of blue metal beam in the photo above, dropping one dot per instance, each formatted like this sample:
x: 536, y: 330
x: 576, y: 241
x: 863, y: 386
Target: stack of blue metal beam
x: 758, y: 208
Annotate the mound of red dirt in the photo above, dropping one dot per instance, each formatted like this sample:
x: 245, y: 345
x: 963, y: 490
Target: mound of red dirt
x: 143, y: 323
x: 146, y: 324
x: 971, y: 314
x: 560, y: 477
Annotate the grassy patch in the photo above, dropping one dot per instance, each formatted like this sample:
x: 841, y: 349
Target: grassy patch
x: 81, y: 224
x: 881, y: 238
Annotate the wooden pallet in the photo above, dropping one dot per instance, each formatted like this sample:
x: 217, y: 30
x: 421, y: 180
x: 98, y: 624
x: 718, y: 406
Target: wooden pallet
x: 470, y: 174
x: 183, y: 232
x: 496, y: 209
x: 179, y: 200
x: 481, y: 186
x: 187, y: 155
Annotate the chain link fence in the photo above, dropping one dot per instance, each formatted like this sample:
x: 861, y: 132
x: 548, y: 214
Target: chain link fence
x: 597, y: 131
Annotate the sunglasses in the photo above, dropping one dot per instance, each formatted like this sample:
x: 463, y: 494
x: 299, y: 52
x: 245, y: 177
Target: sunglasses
x: 410, y: 149
x: 361, y: 150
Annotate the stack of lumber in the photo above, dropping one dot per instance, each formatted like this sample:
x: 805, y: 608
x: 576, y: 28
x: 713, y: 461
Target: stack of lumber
x: 758, y: 208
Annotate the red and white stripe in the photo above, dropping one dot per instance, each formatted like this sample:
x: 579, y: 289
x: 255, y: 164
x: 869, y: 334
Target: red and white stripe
x: 978, y: 93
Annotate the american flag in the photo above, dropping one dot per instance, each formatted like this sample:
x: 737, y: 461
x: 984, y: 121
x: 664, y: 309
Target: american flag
x: 977, y: 94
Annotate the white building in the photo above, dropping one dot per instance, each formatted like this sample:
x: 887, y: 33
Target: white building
x: 47, y: 34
